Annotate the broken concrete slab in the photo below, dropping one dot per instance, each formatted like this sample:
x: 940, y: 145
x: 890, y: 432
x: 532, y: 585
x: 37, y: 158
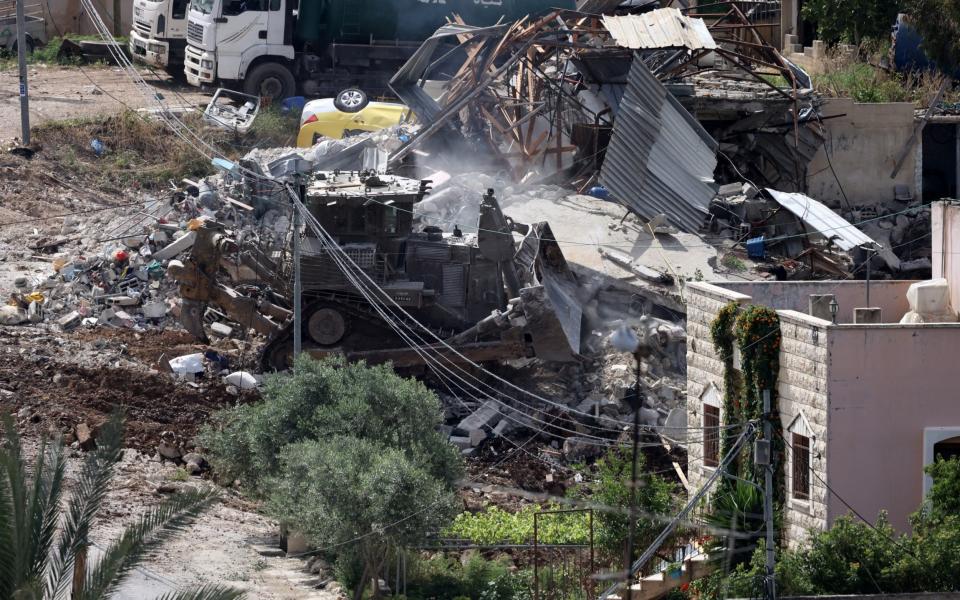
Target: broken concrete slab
x: 177, y: 246
x: 483, y: 419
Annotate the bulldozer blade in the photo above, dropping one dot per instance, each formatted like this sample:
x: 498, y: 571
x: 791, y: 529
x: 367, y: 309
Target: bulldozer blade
x: 550, y: 304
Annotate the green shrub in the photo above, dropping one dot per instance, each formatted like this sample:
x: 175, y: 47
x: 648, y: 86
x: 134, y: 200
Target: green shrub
x: 442, y: 577
x: 347, y: 454
x: 495, y: 525
x: 323, y: 399
x: 610, y: 486
x: 340, y: 487
x: 944, y: 497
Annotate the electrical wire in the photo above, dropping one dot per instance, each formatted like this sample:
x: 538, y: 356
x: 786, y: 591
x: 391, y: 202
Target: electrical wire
x: 419, y: 343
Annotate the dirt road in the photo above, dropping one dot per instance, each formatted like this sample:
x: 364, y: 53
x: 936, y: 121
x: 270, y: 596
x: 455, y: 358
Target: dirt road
x: 59, y: 92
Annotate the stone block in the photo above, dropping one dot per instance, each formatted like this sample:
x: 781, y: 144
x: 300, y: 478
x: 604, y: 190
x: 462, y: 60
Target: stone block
x: 790, y: 39
x: 819, y: 48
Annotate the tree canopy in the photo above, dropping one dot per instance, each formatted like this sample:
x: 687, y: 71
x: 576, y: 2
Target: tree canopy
x: 346, y: 454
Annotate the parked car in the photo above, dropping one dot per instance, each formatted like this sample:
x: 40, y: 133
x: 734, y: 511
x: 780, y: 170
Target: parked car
x: 349, y: 113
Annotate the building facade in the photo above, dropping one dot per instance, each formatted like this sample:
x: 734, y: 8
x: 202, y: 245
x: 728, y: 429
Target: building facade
x: 864, y: 406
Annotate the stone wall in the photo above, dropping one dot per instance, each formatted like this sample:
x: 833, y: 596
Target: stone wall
x: 704, y: 366
x: 802, y: 388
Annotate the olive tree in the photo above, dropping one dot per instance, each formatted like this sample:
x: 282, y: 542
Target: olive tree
x: 350, y: 455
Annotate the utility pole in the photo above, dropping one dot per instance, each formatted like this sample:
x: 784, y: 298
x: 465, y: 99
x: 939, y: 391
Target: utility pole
x: 626, y: 340
x: 22, y: 62
x: 770, y: 586
x: 297, y: 284
x: 116, y: 18
x: 632, y: 527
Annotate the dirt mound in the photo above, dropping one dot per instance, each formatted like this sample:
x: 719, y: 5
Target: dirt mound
x: 59, y: 396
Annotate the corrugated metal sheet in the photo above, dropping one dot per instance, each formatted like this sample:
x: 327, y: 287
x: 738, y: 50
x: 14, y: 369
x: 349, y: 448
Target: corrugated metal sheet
x: 660, y: 159
x: 661, y: 28
x: 602, y: 7
x: 832, y: 226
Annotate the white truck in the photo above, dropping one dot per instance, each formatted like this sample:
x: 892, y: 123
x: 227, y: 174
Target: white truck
x: 272, y: 48
x: 159, y: 33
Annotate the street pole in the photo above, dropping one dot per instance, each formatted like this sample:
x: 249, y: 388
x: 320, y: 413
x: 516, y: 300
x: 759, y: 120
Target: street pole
x: 297, y: 284
x: 22, y: 62
x: 116, y: 18
x: 632, y: 525
x: 771, y: 583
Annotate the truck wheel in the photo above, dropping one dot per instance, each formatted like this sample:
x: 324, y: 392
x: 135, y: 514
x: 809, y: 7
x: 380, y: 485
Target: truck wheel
x: 270, y: 80
x: 351, y: 100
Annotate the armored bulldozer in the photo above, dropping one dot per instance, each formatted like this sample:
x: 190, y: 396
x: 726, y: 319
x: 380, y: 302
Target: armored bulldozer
x: 502, y: 292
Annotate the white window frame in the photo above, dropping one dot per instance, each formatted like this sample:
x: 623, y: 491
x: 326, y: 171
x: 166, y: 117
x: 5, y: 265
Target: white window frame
x: 710, y: 396
x: 801, y: 426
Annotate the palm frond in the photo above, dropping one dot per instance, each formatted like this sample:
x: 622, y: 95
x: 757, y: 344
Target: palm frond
x: 141, y: 538
x: 44, y: 508
x: 7, y: 547
x: 85, y: 502
x: 207, y: 592
x: 13, y: 569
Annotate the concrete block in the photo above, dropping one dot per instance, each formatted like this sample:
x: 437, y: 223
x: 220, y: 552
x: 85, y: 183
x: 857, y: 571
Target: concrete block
x: 820, y: 306
x: 69, y: 320
x: 221, y: 329
x: 865, y: 316
x: 819, y: 48
x: 460, y: 442
x: 176, y: 247
x: 477, y: 436
x: 790, y: 39
x: 484, y: 418
x: 123, y: 301
x: 124, y: 319
x: 296, y: 543
x: 154, y: 310
x: 795, y: 48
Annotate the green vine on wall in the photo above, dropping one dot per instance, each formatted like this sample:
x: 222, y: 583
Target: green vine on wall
x: 759, y: 338
x: 756, y: 332
x: 721, y: 333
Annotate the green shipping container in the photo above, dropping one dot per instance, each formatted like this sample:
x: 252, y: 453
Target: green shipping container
x: 322, y: 22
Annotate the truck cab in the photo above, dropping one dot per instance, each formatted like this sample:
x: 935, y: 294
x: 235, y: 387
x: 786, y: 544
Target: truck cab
x: 241, y: 40
x: 159, y: 33
x: 273, y: 47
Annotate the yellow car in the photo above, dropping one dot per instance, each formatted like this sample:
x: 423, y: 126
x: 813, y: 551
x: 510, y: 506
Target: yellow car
x: 349, y: 113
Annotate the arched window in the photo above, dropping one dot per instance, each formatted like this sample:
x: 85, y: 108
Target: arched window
x: 801, y: 439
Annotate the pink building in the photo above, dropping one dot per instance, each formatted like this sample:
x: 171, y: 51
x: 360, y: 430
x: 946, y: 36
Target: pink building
x: 865, y: 405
